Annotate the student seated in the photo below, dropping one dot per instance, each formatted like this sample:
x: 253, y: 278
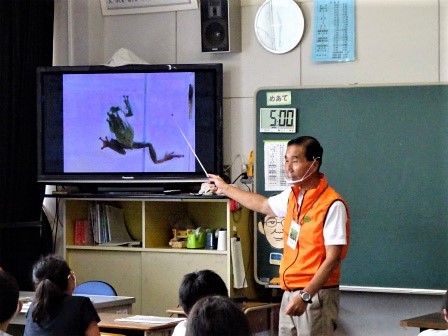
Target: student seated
x: 54, y: 311
x: 194, y: 286
x: 217, y: 315
x: 9, y: 300
x: 432, y: 332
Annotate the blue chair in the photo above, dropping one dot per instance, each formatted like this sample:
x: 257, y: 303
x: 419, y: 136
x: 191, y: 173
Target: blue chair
x: 95, y: 288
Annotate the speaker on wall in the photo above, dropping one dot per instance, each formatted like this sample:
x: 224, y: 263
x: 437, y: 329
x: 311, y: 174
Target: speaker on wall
x: 221, y: 25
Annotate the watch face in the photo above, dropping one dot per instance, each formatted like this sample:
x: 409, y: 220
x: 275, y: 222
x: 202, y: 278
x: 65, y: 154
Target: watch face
x: 306, y: 296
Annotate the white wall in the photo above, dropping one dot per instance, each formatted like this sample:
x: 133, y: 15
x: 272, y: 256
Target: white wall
x: 397, y: 41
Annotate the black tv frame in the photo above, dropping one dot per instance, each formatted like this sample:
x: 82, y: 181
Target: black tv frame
x: 134, y: 181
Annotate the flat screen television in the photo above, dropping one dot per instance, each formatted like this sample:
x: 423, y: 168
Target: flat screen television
x: 134, y: 125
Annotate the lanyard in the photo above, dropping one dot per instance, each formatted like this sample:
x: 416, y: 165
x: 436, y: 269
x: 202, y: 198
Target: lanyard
x: 297, y: 209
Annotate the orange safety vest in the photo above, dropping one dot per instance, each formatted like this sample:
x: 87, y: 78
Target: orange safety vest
x: 299, y: 266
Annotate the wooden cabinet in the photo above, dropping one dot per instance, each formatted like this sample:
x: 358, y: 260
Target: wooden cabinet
x: 152, y: 273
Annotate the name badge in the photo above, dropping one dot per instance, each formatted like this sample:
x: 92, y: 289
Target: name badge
x: 293, y: 235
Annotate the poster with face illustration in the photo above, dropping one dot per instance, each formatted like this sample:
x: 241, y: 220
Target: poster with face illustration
x: 269, y: 247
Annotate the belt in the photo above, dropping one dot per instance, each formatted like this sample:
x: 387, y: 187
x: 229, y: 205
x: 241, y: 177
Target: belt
x: 301, y: 288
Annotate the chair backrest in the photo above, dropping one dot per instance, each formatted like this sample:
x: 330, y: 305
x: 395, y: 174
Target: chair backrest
x: 95, y: 288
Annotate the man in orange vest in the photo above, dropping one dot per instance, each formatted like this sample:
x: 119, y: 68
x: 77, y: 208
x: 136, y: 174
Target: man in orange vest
x: 316, y: 237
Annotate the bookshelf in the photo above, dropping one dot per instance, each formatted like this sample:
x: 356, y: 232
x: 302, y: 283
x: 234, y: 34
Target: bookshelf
x: 152, y: 272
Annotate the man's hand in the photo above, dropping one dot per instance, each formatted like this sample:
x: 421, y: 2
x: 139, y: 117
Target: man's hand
x: 253, y: 201
x: 296, y: 307
x: 217, y: 184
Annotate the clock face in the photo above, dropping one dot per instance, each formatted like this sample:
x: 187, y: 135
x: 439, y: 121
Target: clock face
x: 278, y: 120
x: 279, y: 25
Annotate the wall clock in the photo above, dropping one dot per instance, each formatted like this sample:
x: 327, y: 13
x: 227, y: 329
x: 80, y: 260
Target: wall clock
x: 279, y: 25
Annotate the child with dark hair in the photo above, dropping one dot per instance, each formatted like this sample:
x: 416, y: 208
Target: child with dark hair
x: 432, y: 332
x: 9, y: 300
x: 54, y: 311
x: 217, y: 315
x: 194, y: 286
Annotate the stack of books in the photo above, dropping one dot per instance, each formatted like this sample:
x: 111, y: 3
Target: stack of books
x: 106, y: 225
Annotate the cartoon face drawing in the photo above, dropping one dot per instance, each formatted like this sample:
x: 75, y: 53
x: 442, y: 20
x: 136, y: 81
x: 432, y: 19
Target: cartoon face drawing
x: 272, y: 228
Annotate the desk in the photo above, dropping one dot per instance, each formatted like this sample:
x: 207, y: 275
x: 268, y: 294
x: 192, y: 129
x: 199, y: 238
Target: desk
x: 262, y: 316
x: 112, y: 304
x: 108, y: 324
x: 429, y: 321
x: 102, y: 304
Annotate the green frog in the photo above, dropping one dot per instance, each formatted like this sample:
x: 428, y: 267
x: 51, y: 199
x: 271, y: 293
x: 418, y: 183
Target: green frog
x: 124, y: 133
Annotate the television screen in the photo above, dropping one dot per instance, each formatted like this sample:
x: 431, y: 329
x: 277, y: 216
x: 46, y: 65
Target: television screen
x: 129, y: 124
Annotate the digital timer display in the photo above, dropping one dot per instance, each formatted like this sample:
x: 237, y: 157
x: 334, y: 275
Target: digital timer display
x: 278, y: 120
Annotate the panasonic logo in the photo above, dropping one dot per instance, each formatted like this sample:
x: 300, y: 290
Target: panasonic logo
x: 127, y: 177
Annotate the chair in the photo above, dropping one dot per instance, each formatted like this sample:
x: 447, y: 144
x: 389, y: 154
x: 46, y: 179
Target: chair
x: 95, y: 288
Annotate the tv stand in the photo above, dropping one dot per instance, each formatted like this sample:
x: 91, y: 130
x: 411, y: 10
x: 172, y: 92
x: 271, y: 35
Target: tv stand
x: 131, y: 190
x: 152, y: 272
x: 137, y: 189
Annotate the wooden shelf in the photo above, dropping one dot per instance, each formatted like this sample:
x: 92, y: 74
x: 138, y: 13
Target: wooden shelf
x: 153, y: 272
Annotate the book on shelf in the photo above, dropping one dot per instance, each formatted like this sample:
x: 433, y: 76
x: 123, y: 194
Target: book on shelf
x: 117, y: 230
x: 109, y: 226
x: 83, y: 233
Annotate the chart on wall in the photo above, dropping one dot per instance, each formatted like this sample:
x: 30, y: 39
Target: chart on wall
x: 386, y: 153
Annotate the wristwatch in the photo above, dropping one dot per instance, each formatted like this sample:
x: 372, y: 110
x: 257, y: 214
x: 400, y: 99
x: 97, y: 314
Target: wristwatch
x: 306, y: 297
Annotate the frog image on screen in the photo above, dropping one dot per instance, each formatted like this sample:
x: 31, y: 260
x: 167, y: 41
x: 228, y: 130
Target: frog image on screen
x: 124, y: 134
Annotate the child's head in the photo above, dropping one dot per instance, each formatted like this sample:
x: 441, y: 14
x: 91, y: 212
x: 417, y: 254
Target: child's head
x: 9, y: 296
x: 217, y: 315
x: 53, y: 279
x: 198, y: 284
x: 53, y: 270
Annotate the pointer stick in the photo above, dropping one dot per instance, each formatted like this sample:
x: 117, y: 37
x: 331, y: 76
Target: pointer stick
x: 197, y: 158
